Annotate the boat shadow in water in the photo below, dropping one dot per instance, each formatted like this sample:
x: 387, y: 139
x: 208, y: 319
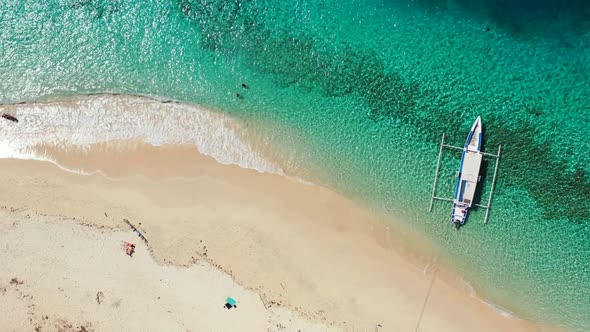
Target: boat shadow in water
x: 483, y: 185
x: 526, y: 19
x: 479, y: 193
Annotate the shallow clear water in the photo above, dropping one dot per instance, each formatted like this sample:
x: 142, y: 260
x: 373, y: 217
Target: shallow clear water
x: 363, y: 91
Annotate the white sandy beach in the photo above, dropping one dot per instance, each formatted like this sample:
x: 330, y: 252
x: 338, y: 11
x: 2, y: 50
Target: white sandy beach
x: 295, y: 256
x: 75, y: 277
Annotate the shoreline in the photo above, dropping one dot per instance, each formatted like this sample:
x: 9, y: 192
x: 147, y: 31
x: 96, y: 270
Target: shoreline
x: 413, y: 275
x: 92, y: 119
x: 199, y: 166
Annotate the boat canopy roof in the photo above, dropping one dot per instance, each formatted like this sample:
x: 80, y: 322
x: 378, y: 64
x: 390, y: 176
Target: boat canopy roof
x: 471, y: 165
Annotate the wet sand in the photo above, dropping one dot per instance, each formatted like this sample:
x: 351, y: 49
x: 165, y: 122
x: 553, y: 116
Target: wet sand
x: 299, y: 246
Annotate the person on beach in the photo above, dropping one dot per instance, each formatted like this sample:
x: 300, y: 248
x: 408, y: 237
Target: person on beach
x: 129, y: 248
x: 230, y: 303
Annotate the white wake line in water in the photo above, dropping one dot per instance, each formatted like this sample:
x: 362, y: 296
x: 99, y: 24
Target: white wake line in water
x: 98, y: 119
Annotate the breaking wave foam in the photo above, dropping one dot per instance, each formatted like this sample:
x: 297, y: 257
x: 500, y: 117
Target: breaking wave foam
x: 471, y: 292
x: 98, y: 119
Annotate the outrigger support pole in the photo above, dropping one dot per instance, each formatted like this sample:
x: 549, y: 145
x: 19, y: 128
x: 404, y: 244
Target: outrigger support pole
x: 453, y: 147
x: 442, y: 143
x: 487, y: 207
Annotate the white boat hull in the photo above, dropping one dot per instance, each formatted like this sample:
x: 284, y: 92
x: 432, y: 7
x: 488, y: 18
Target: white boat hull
x: 468, y: 175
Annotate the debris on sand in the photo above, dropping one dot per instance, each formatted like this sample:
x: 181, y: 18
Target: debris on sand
x: 136, y: 231
x: 99, y: 297
x: 15, y: 281
x: 9, y: 117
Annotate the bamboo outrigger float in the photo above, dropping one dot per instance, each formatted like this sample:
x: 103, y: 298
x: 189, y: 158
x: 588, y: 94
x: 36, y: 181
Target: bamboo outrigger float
x: 468, y: 175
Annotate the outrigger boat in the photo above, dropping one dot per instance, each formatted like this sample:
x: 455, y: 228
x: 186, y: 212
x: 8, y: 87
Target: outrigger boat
x: 468, y: 175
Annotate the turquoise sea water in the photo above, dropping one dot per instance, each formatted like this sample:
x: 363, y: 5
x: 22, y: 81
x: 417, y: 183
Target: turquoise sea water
x: 363, y: 91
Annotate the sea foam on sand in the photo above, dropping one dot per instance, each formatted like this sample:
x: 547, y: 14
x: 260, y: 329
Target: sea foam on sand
x: 83, y: 121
